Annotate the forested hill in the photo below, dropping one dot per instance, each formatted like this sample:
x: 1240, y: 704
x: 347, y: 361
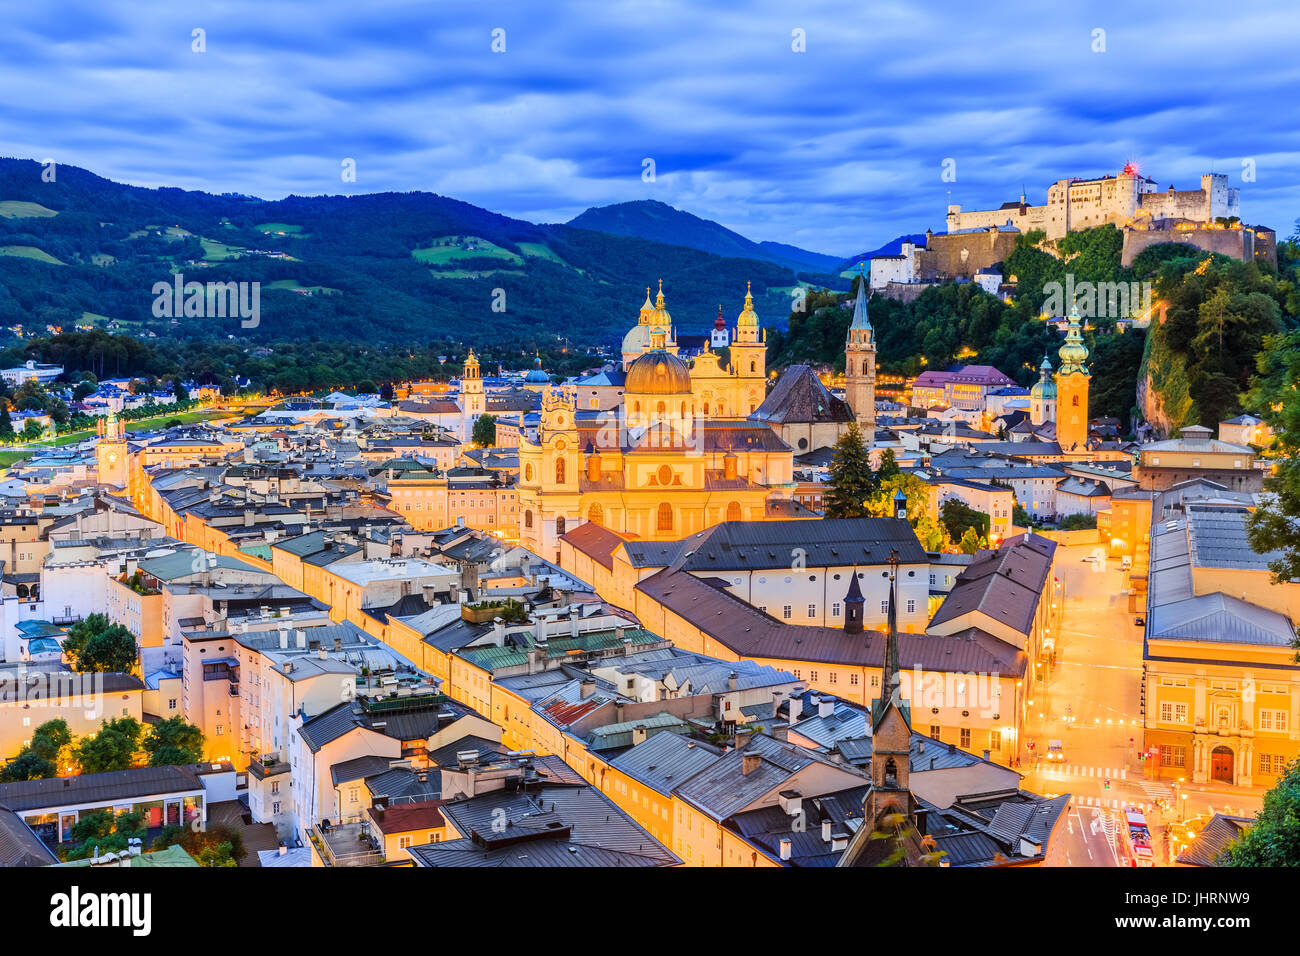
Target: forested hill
x: 659, y: 222
x: 83, y: 251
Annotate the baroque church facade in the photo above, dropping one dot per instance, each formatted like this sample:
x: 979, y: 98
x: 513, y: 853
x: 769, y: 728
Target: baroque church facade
x: 680, y: 453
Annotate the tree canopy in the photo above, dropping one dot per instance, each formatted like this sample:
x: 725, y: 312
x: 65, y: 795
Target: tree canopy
x: 96, y: 644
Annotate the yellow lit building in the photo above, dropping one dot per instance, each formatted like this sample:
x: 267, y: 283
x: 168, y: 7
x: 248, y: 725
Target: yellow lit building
x: 673, y: 459
x: 1072, y: 380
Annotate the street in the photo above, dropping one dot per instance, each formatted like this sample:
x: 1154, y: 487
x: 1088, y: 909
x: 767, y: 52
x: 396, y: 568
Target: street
x: 1089, y: 701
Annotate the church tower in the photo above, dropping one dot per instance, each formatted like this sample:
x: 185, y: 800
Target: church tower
x: 1042, y: 396
x: 110, y: 452
x: 891, y: 727
x: 860, y: 366
x: 749, y: 358
x: 472, y: 401
x: 1072, y: 380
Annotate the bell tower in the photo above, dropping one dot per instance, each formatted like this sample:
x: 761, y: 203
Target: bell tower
x: 749, y: 359
x: 472, y: 401
x: 1072, y: 380
x: 110, y: 452
x: 860, y: 365
x: 891, y: 726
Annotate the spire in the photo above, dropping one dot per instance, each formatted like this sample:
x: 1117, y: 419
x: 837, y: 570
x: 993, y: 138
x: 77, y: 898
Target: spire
x: 860, y: 319
x: 891, y: 687
x: 659, y: 299
x: 1073, y: 353
x: 748, y: 317
x: 854, y: 603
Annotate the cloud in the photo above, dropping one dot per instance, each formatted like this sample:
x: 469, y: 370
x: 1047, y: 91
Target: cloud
x: 838, y: 148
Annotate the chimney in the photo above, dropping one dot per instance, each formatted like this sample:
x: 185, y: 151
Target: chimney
x: 283, y: 849
x: 638, y: 734
x: 826, y: 830
x: 826, y: 707
x: 284, y: 638
x: 986, y: 755
x: 573, y: 621
x: 785, y: 848
x: 920, y: 746
x: 749, y: 763
x: 587, y: 687
x: 729, y: 470
x: 301, y: 639
x: 498, y: 632
x: 796, y: 708
x: 777, y: 697
x: 338, y: 644
x: 731, y: 681
x: 320, y: 653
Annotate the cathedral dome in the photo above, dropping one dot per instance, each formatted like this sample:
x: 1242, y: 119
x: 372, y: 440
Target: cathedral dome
x: 658, y: 373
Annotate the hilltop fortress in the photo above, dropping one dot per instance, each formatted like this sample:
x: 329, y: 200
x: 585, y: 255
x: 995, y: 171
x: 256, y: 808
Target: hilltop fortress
x: 978, y: 240
x: 1123, y: 200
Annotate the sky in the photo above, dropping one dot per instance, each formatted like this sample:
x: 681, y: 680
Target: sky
x: 832, y: 126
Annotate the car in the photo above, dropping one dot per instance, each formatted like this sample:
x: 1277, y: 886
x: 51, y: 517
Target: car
x: 1055, y: 751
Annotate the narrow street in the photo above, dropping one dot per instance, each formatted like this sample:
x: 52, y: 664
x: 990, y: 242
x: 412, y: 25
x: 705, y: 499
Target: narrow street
x: 1089, y: 701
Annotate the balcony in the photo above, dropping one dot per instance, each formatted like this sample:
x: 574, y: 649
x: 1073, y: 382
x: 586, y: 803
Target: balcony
x: 348, y: 844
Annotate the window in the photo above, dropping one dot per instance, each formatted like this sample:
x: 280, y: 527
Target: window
x: 596, y: 514
x: 834, y: 677
x: 785, y: 611
x: 171, y: 704
x: 875, y: 680
x: 934, y: 731
x: 1271, y: 764
x: 1173, y: 713
x: 220, y: 730
x: 995, y: 740
x: 911, y: 607
x: 528, y: 519
x: 275, y: 807
x: 403, y: 842
x: 965, y: 737
x: 853, y: 679
x: 1173, y: 756
x: 275, y: 786
x: 353, y: 794
x: 559, y: 525
x: 665, y: 522
x: 812, y: 675
x: 733, y: 511
x: 812, y: 610
x: 835, y: 609
x: 1272, y: 719
x: 884, y: 607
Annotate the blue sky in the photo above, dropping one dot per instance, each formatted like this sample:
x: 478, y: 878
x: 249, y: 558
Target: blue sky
x: 836, y: 149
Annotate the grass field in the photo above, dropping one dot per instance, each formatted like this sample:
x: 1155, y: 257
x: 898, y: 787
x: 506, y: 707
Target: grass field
x: 29, y: 252
x: 295, y: 284
x: 282, y: 229
x: 541, y: 250
x: 214, y: 251
x: 466, y: 274
x: 186, y: 418
x: 455, y: 248
x: 17, y: 209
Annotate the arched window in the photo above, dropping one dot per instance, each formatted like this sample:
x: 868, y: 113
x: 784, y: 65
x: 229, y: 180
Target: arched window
x: 661, y: 408
x: 753, y: 366
x: 596, y: 514
x: 1075, y: 401
x: 733, y: 511
x: 866, y: 366
x: 528, y: 472
x: 665, y: 522
x: 559, y: 525
x: 528, y: 519
x: 559, y: 471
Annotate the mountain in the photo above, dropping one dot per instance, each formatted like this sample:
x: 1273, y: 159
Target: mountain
x: 659, y: 222
x: 383, y: 268
x: 892, y: 248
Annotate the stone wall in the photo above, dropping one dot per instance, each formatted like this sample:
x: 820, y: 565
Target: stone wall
x: 1235, y: 243
x: 961, y: 255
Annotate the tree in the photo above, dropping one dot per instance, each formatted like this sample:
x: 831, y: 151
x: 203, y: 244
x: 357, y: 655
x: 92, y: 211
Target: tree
x: 113, y: 748
x: 32, y: 430
x: 852, y: 481
x: 179, y: 390
x: 6, y: 423
x: 957, y: 518
x: 1273, y: 526
x: 217, y: 846
x: 970, y: 541
x: 888, y: 466
x: 1274, y: 839
x: 28, y: 766
x: 485, y: 431
x: 102, y: 831
x: 929, y: 531
x: 1077, y: 522
x: 96, y: 644
x: 49, y: 739
x: 173, y: 742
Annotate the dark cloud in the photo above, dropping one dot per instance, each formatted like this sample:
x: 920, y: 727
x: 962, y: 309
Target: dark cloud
x: 837, y: 148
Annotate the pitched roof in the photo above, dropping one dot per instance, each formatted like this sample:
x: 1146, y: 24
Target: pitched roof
x: 1213, y: 839
x: 800, y: 396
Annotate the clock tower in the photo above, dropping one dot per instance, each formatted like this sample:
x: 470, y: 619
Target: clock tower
x: 110, y: 452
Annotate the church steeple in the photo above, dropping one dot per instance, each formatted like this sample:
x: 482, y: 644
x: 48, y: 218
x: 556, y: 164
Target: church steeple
x: 854, y: 605
x: 891, y: 727
x: 860, y: 365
